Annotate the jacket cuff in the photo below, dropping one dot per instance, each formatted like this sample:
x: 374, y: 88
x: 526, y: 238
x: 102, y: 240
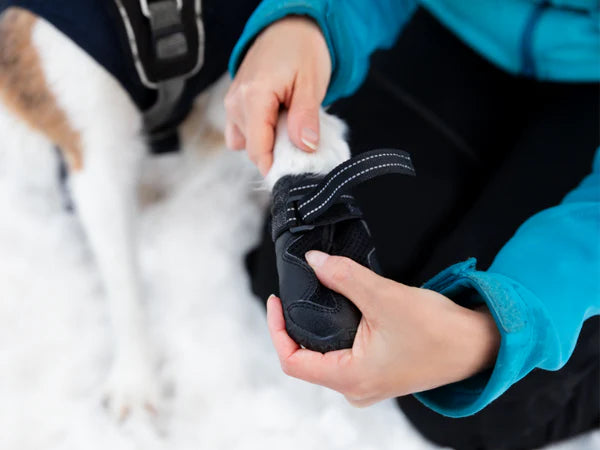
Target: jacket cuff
x: 512, y: 308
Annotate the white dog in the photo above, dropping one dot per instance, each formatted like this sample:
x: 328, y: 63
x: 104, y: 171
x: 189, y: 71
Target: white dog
x: 61, y: 92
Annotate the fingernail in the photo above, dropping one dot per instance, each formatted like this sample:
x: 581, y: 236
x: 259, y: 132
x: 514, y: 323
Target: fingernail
x: 316, y: 258
x: 272, y: 296
x: 309, y: 138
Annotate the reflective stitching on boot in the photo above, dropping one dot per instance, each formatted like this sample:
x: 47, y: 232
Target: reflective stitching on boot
x: 299, y: 188
x: 347, y: 181
x: 380, y: 155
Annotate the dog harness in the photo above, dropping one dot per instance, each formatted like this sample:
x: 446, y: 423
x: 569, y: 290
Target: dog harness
x: 163, y: 52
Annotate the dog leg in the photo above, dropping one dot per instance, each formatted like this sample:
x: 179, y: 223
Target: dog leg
x: 104, y: 187
x: 105, y: 193
x: 290, y: 160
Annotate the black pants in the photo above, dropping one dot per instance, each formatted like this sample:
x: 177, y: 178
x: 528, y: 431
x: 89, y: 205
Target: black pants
x: 490, y: 150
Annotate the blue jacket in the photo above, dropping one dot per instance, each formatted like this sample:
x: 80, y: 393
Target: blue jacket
x: 551, y: 40
x: 545, y: 282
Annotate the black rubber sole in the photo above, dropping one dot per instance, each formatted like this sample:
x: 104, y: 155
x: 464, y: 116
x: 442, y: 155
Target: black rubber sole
x: 342, y: 339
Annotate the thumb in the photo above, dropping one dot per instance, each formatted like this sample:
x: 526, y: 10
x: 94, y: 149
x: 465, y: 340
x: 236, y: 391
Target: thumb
x: 345, y: 276
x: 303, y: 120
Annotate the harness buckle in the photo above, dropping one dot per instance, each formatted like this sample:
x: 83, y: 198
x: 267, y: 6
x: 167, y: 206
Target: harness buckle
x: 148, y: 13
x: 166, y: 25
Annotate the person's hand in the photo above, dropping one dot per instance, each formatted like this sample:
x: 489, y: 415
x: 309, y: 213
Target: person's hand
x: 288, y: 64
x: 409, y: 339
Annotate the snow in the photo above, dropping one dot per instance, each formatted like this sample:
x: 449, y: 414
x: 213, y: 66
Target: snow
x: 223, y: 385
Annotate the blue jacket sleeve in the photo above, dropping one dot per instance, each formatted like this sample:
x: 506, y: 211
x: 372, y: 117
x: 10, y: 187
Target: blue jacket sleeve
x: 353, y: 29
x: 541, y: 287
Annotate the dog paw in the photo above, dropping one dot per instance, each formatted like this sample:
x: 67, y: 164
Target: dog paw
x: 131, y: 389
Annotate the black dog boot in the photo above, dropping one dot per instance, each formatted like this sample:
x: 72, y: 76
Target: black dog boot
x: 312, y: 212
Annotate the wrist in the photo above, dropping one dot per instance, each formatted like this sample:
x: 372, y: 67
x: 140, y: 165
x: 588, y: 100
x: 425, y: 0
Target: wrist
x: 272, y: 12
x: 475, y: 343
x: 484, y: 341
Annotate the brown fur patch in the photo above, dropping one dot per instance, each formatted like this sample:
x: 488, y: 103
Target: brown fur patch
x: 23, y: 86
x: 211, y: 137
x: 197, y: 131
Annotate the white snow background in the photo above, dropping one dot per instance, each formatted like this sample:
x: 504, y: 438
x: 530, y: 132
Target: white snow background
x: 224, y: 386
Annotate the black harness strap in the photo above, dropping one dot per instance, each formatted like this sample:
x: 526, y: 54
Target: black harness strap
x: 166, y: 38
x: 168, y: 94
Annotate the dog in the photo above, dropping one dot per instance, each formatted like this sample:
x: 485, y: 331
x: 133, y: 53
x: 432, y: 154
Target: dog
x: 101, y: 129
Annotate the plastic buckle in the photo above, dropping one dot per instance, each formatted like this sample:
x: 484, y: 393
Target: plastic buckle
x: 146, y: 8
x: 166, y: 26
x: 300, y: 227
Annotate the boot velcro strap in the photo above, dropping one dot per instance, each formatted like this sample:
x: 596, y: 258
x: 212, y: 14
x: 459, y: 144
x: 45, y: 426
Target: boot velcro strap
x: 303, y: 202
x: 349, y: 174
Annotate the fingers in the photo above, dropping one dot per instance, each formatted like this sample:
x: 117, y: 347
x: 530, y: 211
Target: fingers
x: 234, y: 138
x: 362, y: 402
x: 336, y: 370
x: 333, y: 369
x: 303, y: 119
x: 288, y: 65
x: 284, y: 344
x: 252, y: 116
x: 359, y: 284
x: 260, y: 138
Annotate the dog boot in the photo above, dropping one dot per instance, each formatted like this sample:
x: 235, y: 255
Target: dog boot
x: 315, y: 212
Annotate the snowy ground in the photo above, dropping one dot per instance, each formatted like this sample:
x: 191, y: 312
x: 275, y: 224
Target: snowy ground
x: 222, y: 379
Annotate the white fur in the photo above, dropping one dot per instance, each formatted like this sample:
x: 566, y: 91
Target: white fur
x: 110, y: 129
x: 289, y: 159
x: 211, y: 104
